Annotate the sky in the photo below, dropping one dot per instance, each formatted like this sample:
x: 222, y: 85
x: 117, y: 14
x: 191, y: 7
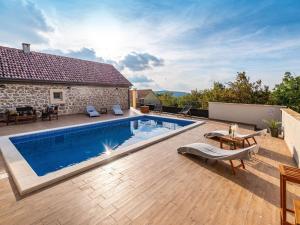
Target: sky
x: 164, y: 45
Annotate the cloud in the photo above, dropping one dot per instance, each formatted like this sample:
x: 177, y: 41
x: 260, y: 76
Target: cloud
x: 22, y: 21
x: 140, y: 61
x: 132, y: 61
x: 84, y: 53
x: 191, y: 43
x: 140, y: 79
x: 143, y: 82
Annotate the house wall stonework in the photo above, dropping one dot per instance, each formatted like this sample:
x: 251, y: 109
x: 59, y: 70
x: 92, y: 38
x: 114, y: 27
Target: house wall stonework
x: 77, y: 97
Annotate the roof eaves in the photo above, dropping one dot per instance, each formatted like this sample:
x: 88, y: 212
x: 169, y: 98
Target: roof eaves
x: 13, y: 80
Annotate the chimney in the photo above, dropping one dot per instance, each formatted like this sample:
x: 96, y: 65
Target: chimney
x: 26, y: 47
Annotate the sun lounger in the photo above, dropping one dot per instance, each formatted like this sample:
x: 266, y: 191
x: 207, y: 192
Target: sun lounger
x: 220, y: 133
x: 157, y: 108
x: 211, y: 152
x: 186, y: 110
x: 91, y: 111
x: 117, y: 110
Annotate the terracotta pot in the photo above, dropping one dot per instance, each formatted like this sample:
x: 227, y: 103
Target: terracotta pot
x: 144, y: 109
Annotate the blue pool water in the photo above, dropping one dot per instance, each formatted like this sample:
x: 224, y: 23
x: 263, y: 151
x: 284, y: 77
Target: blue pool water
x: 49, y: 151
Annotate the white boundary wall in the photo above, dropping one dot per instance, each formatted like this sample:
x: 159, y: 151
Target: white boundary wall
x: 253, y: 114
x: 291, y: 126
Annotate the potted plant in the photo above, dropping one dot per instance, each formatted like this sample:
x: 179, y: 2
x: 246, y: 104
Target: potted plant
x: 273, y: 126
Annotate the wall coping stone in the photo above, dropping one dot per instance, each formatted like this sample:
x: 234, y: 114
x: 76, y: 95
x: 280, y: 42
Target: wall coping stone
x: 292, y: 113
x: 233, y: 103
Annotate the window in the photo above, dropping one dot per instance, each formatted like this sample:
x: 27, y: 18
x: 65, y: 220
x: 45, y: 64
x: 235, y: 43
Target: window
x: 57, y: 96
x: 142, y: 102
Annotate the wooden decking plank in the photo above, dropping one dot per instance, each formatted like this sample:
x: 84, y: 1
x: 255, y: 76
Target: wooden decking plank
x: 158, y: 186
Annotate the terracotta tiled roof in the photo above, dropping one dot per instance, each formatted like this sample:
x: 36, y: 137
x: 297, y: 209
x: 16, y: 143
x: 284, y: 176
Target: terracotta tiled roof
x: 15, y: 65
x: 143, y: 93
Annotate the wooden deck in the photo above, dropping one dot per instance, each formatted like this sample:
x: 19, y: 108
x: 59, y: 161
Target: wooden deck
x: 155, y: 186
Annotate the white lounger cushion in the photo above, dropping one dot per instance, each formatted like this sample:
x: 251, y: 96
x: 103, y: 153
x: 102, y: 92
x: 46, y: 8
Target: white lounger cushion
x: 211, y: 152
x: 216, y: 133
x: 220, y: 133
x: 91, y: 111
x: 117, y: 110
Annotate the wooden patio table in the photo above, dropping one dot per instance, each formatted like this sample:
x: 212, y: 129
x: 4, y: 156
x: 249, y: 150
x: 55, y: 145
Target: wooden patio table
x: 287, y: 174
x: 236, y: 142
x: 103, y: 110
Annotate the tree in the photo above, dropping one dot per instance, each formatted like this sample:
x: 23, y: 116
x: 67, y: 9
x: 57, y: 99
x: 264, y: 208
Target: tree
x: 194, y: 99
x: 245, y: 91
x: 167, y: 99
x: 261, y: 93
x: 287, y: 92
x: 218, y: 93
x: 241, y: 90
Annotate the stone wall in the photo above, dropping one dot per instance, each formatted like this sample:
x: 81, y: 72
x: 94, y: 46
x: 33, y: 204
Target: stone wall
x: 76, y: 97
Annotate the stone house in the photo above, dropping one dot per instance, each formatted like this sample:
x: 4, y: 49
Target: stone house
x: 38, y: 79
x: 144, y: 97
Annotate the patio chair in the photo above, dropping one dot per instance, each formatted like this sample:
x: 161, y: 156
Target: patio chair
x: 186, y: 110
x: 246, y: 137
x: 207, y: 151
x: 26, y: 113
x: 117, y: 110
x: 49, y: 112
x: 91, y: 111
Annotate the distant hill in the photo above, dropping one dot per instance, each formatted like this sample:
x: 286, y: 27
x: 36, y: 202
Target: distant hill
x: 174, y: 93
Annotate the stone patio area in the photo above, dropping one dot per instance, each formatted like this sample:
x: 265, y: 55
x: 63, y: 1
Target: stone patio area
x: 155, y: 185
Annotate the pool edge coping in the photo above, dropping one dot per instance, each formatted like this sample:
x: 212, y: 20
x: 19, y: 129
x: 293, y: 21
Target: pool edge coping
x: 26, y: 180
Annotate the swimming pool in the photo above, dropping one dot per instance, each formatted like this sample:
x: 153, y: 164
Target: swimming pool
x: 46, y: 152
x: 39, y: 158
